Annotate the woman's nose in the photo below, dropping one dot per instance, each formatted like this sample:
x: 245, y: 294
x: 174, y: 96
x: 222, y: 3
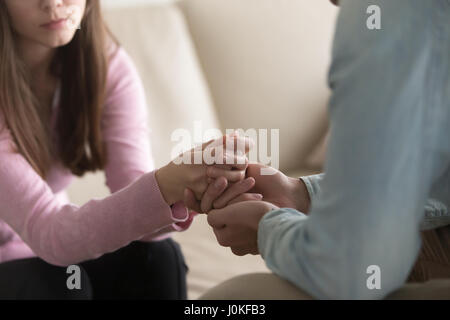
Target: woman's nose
x: 50, y: 5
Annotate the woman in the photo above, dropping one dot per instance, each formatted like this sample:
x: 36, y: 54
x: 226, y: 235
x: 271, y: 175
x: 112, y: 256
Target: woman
x: 71, y: 102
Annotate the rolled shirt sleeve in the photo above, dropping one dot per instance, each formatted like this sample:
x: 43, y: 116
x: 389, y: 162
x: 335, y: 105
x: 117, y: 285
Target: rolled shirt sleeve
x: 436, y: 212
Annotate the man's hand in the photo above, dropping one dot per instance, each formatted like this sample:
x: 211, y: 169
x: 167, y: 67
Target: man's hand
x: 278, y: 189
x: 236, y: 226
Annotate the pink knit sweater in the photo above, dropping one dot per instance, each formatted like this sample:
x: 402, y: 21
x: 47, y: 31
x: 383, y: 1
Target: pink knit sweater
x: 36, y: 218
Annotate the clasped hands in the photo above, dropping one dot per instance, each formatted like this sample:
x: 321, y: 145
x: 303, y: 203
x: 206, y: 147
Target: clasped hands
x: 235, y: 196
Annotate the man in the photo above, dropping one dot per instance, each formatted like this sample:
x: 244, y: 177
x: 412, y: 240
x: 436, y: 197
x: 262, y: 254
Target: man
x: 389, y: 151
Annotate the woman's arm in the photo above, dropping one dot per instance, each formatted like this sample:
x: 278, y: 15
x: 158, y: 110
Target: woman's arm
x: 124, y: 124
x: 124, y: 127
x: 67, y: 234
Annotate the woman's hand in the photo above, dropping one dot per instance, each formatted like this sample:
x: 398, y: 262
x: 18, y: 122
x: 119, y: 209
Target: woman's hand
x: 277, y: 188
x: 189, y: 170
x: 216, y: 188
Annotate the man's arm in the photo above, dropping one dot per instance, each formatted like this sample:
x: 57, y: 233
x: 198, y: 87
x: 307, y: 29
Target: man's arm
x: 380, y: 162
x: 436, y: 212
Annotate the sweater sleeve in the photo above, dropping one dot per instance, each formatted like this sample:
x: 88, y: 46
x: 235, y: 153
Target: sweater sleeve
x: 125, y: 129
x: 124, y: 124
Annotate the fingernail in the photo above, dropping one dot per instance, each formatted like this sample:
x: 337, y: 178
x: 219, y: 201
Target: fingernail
x: 259, y: 196
x: 249, y: 181
x: 218, y: 183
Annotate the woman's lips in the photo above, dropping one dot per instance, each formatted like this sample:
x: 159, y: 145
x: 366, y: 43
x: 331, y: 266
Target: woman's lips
x: 55, y: 24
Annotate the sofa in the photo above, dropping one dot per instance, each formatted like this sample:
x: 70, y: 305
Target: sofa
x: 227, y: 64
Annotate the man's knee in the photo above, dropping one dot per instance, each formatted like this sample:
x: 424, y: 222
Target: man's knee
x: 437, y: 289
x: 256, y: 286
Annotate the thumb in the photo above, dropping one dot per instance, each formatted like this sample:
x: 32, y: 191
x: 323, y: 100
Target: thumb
x: 218, y: 218
x: 190, y: 201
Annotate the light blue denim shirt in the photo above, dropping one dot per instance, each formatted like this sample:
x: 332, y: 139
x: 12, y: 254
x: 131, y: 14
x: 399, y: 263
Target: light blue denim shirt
x: 388, y: 156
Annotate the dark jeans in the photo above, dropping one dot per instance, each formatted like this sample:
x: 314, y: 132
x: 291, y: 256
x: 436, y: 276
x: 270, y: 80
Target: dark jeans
x: 141, y: 270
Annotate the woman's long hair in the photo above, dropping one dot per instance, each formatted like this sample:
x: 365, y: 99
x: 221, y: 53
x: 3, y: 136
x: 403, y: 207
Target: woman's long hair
x: 82, y: 67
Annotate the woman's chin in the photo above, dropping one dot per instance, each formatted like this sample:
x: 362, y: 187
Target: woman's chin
x: 56, y: 42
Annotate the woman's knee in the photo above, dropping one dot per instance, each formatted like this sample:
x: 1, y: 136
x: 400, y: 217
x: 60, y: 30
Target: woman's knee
x: 167, y: 268
x: 166, y: 252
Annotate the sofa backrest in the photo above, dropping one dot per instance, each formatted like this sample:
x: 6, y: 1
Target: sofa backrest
x: 266, y: 63
x: 157, y: 39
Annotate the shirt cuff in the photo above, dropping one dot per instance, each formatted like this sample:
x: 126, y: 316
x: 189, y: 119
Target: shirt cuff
x: 313, y: 184
x: 271, y: 223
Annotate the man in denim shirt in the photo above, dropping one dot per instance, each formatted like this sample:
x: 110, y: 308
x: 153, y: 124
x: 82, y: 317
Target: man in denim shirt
x: 388, y: 159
